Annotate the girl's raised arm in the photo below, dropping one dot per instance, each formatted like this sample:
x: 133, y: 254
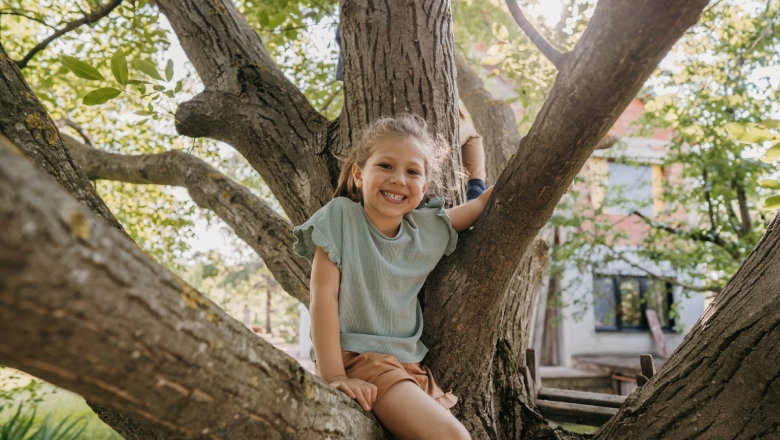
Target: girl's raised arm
x: 464, y: 216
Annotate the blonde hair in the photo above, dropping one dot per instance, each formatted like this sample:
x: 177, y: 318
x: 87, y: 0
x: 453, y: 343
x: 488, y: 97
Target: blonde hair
x: 435, y: 152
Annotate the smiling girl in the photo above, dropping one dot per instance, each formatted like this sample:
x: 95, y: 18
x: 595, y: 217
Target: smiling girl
x: 371, y: 249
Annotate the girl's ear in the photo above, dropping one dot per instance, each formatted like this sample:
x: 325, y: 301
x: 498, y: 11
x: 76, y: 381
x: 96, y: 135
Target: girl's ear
x: 357, y: 175
x: 425, y: 188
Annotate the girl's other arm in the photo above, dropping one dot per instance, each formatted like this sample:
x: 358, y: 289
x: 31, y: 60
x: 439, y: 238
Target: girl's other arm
x: 324, y: 310
x: 464, y: 216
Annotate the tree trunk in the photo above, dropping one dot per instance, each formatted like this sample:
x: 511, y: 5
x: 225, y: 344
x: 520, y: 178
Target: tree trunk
x: 723, y: 381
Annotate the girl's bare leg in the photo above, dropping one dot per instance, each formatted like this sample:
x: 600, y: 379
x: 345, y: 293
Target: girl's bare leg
x: 409, y: 413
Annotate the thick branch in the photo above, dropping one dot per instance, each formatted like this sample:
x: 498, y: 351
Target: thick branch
x: 253, y: 220
x: 250, y: 104
x: 713, y: 238
x: 669, y: 280
x: 86, y: 19
x: 298, y: 176
x: 621, y: 47
x: 544, y: 46
x: 82, y: 307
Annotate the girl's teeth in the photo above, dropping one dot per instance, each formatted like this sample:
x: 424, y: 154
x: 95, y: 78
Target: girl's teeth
x: 393, y: 196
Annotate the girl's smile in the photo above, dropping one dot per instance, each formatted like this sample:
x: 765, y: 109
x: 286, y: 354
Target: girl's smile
x: 393, y: 182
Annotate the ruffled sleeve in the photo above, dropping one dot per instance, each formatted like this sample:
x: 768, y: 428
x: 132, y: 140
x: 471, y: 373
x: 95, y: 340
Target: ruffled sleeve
x: 437, y: 205
x: 324, y: 229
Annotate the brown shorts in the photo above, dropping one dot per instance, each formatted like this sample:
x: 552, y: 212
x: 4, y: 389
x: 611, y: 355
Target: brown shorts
x: 384, y: 371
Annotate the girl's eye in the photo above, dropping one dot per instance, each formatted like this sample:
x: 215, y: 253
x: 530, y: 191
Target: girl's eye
x: 384, y: 165
x: 414, y: 172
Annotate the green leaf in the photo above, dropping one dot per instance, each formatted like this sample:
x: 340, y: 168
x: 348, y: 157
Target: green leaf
x: 178, y: 87
x: 490, y: 61
x: 771, y: 154
x: 135, y: 82
x: 81, y: 69
x: 148, y: 68
x: 144, y: 113
x: 501, y: 33
x: 770, y: 123
x: 735, y: 129
x: 748, y: 133
x: 101, y: 95
x: 169, y: 70
x: 119, y: 66
x: 772, y: 202
x: 769, y: 183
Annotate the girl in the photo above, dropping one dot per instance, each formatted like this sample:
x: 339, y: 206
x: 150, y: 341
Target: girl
x: 371, y: 250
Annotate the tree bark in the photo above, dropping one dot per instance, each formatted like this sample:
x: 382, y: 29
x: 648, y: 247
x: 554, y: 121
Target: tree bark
x: 250, y: 217
x: 462, y: 313
x: 154, y: 348
x: 723, y: 381
x: 27, y: 124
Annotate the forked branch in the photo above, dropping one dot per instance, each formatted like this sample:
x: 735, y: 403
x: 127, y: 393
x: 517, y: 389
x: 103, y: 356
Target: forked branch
x: 554, y: 55
x: 253, y: 220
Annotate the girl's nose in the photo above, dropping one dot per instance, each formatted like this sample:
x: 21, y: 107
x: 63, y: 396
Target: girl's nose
x: 397, y: 178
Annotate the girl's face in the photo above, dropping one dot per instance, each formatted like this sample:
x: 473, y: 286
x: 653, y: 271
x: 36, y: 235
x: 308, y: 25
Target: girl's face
x: 393, y: 182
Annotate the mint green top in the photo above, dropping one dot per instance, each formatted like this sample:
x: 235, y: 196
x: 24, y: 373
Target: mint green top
x: 380, y: 276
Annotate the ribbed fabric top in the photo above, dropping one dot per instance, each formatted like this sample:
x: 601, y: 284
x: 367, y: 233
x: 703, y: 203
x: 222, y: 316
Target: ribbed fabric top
x: 380, y: 276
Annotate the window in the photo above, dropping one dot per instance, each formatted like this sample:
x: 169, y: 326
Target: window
x: 630, y: 188
x: 620, y: 302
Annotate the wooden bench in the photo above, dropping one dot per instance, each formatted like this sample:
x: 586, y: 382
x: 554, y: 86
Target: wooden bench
x: 584, y: 408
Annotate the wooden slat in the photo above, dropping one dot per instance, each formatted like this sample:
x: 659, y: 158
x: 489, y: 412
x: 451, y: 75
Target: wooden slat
x: 647, y: 365
x: 566, y: 412
x: 582, y: 397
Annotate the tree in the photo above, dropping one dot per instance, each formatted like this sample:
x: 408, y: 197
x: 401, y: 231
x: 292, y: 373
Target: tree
x: 176, y: 362
x: 714, y: 83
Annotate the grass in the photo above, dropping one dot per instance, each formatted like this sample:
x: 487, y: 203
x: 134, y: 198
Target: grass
x: 57, y: 408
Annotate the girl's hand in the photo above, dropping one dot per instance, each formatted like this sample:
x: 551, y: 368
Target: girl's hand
x: 464, y: 216
x: 356, y: 389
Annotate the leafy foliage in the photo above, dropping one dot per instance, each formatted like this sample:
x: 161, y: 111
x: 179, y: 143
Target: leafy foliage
x: 717, y: 106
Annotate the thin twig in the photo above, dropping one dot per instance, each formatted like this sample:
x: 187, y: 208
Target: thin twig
x: 556, y: 57
x: 713, y: 238
x: 20, y: 14
x: 79, y: 129
x: 669, y: 280
x: 86, y: 19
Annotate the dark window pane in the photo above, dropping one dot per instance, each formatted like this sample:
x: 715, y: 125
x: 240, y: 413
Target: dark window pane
x: 604, y: 302
x: 656, y: 297
x: 630, y: 302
